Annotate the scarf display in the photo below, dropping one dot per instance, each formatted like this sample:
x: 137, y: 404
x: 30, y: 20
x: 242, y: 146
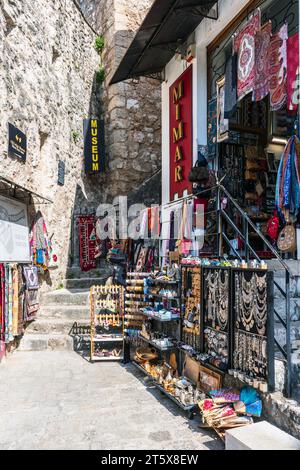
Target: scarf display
x: 244, y: 46
x: 288, y: 181
x: 87, y: 242
x: 40, y: 244
x: 14, y: 311
x: 230, y: 101
x: 293, y: 91
x: 261, y: 66
x: 278, y: 69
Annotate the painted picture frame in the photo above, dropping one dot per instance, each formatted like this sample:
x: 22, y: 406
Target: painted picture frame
x: 209, y: 380
x: 222, y: 123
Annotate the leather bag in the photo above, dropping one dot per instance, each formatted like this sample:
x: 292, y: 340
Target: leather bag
x: 287, y: 241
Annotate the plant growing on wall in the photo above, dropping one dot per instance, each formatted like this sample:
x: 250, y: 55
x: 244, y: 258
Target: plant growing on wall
x: 99, y: 44
x: 100, y: 75
x: 75, y: 136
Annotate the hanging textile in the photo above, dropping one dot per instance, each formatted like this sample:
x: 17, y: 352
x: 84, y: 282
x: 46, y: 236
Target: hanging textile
x: 244, y: 46
x: 154, y: 222
x: 293, y: 75
x: 261, y: 65
x: 8, y: 305
x: 31, y: 305
x: 230, y: 100
x: 2, y: 300
x: 15, y: 299
x: 87, y: 242
x: 212, y: 123
x: 21, y: 286
x: 278, y: 69
x: 172, y: 241
x: 40, y: 244
x: 288, y: 181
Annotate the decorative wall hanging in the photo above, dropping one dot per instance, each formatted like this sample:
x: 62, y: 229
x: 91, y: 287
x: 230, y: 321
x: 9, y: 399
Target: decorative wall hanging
x: 251, y: 305
x: 216, y: 314
x: 278, y: 69
x: 244, y: 46
x: 293, y: 78
x: 212, y: 127
x: 230, y: 87
x: 222, y: 123
x: 31, y: 277
x: 261, y: 65
x: 87, y: 242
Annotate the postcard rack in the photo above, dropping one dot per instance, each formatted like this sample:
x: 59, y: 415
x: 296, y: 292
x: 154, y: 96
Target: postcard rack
x: 107, y: 323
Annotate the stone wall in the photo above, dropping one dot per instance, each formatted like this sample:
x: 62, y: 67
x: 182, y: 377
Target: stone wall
x: 47, y: 72
x: 48, y: 86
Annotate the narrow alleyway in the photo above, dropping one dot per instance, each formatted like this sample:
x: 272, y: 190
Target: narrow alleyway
x: 57, y: 400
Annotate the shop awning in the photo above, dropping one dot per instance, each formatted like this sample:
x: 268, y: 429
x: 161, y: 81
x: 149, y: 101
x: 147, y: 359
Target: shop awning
x: 167, y: 26
x: 9, y: 188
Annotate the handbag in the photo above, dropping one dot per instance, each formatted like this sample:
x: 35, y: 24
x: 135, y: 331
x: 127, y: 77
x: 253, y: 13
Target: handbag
x: 198, y: 173
x: 287, y: 239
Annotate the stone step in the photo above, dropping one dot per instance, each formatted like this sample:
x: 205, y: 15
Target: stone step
x: 66, y: 297
x: 55, y: 326
x: 76, y: 273
x: 83, y: 283
x: 66, y: 312
x: 43, y: 342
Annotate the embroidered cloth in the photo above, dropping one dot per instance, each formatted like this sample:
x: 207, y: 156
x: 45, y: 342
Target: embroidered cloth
x: 261, y: 66
x: 87, y: 242
x: 293, y: 72
x: 278, y: 69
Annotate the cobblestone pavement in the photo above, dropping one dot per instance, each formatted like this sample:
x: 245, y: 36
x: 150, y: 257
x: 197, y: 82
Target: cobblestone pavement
x: 57, y: 400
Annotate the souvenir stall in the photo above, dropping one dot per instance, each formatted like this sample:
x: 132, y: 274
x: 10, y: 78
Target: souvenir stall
x: 253, y: 122
x: 203, y: 334
x: 23, y: 253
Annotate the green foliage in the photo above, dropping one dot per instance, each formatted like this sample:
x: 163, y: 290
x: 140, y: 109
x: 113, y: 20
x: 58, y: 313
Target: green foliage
x: 75, y: 136
x: 99, y: 44
x: 100, y: 75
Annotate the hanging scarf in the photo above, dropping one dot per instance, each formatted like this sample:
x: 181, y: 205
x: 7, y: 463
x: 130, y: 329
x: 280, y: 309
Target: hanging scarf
x: 40, y: 244
x: 15, y: 299
x: 244, y: 46
x: 288, y: 181
x: 278, y: 69
x: 293, y: 72
x: 261, y: 66
x: 8, y: 305
x: 230, y: 99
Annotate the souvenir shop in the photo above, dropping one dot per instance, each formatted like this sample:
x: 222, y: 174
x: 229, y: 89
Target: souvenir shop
x: 200, y: 324
x: 25, y: 251
x: 253, y: 124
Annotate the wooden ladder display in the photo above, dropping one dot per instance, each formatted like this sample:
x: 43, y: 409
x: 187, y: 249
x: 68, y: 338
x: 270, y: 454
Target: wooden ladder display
x: 107, y: 311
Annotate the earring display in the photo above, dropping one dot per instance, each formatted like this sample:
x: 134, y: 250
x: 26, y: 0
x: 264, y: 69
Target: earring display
x: 216, y: 293
x: 107, y: 317
x: 250, y: 355
x: 191, y: 307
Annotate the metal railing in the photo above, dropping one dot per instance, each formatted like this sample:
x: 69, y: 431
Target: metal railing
x: 243, y: 234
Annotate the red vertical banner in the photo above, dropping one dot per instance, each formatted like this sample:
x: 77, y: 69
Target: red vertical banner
x: 181, y: 134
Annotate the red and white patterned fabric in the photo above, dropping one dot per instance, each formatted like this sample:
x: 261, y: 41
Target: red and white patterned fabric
x: 87, y: 242
x: 261, y: 66
x: 244, y: 46
x: 293, y: 72
x: 278, y: 69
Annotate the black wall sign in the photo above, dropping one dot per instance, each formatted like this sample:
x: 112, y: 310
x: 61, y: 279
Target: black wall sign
x: 17, y: 142
x: 61, y: 173
x: 94, y: 148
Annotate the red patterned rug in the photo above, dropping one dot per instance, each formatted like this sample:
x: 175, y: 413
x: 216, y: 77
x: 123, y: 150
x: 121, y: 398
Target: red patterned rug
x: 278, y: 69
x: 244, y: 46
x: 261, y: 66
x: 293, y: 72
x: 87, y: 242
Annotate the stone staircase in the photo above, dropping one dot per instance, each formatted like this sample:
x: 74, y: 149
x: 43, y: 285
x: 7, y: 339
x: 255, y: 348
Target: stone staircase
x: 61, y: 310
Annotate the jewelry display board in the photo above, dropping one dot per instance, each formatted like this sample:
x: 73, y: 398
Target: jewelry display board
x: 107, y: 323
x: 253, y: 349
x: 191, y: 306
x: 216, y: 288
